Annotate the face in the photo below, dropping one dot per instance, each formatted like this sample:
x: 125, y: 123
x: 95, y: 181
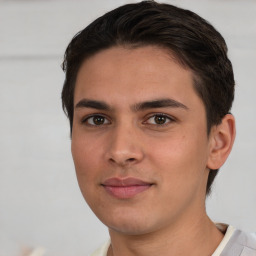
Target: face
x: 139, y: 140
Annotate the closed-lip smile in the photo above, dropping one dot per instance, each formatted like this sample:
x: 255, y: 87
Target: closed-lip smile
x: 124, y: 188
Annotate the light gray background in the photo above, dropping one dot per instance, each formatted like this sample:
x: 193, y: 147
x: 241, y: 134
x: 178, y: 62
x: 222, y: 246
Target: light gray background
x: 40, y: 203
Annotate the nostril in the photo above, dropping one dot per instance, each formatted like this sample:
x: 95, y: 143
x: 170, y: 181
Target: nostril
x: 112, y: 160
x: 123, y: 161
x: 131, y: 160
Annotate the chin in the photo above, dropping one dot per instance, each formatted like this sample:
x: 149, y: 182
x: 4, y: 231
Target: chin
x: 134, y: 225
x: 130, y: 229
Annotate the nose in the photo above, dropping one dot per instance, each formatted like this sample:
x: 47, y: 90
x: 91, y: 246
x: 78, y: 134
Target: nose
x: 125, y: 146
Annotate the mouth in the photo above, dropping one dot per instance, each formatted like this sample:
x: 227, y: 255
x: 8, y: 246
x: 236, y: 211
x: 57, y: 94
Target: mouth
x: 124, y: 188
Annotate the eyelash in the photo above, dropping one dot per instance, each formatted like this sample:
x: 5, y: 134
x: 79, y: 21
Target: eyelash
x: 167, y: 117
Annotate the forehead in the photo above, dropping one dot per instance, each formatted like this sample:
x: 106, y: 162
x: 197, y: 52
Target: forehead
x: 139, y: 74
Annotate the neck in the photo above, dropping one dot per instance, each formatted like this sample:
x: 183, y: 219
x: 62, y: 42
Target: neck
x: 198, y: 236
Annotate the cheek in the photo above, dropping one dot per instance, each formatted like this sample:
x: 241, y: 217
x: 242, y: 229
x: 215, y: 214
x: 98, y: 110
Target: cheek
x: 85, y: 150
x: 180, y: 160
x: 180, y: 165
x: 86, y: 160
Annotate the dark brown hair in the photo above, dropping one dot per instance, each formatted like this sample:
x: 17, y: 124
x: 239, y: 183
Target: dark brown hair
x: 192, y: 40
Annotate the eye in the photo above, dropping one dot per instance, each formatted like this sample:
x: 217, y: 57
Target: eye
x: 96, y: 120
x: 159, y: 119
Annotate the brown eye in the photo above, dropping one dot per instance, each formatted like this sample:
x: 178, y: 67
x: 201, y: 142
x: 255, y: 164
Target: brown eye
x: 159, y: 119
x: 96, y: 120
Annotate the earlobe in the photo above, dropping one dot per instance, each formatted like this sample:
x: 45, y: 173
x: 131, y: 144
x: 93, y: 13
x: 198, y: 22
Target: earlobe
x: 222, y: 138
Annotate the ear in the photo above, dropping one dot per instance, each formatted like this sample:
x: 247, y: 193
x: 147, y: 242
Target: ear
x: 221, y: 138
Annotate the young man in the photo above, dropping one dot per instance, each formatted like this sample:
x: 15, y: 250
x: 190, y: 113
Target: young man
x: 148, y: 92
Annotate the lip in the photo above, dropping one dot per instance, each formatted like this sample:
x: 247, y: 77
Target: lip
x: 124, y: 188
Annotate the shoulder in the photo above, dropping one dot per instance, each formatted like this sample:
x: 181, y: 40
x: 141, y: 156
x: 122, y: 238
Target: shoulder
x: 240, y: 244
x: 102, y: 251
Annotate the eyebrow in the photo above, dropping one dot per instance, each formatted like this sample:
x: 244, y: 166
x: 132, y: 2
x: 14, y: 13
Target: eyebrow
x: 85, y: 103
x: 159, y: 103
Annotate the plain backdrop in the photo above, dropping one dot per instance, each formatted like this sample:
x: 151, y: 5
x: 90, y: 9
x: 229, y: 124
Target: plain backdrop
x: 40, y: 202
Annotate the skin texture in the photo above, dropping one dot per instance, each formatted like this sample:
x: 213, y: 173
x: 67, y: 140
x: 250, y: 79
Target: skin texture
x: 173, y: 157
